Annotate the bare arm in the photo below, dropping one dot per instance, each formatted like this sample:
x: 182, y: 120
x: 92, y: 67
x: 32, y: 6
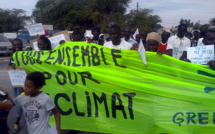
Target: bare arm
x: 56, y: 113
x: 184, y: 55
x: 6, y: 105
x: 170, y: 52
x: 211, y: 63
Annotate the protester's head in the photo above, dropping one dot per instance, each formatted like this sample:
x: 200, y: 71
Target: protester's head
x: 62, y: 42
x: 209, y: 37
x: 201, y: 34
x: 188, y: 35
x: 195, y: 33
x: 96, y: 32
x: 165, y: 36
x: 101, y: 36
x: 34, y: 82
x: 108, y: 39
x: 143, y: 35
x: 76, y: 35
x: 137, y: 37
x: 182, y: 30
x: 114, y: 33
x: 17, y: 45
x: 44, y: 43
x: 122, y: 35
x: 152, y: 41
x: 127, y: 32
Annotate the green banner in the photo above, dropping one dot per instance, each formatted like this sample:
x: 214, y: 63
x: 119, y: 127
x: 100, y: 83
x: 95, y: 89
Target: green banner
x: 98, y: 89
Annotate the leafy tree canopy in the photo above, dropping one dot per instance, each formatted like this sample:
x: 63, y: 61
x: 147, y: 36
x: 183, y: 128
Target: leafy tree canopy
x: 144, y: 20
x: 212, y: 21
x: 80, y: 14
x: 12, y: 20
x: 187, y: 22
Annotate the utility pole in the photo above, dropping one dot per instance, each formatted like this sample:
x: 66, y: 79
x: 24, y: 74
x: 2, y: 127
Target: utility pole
x: 137, y: 7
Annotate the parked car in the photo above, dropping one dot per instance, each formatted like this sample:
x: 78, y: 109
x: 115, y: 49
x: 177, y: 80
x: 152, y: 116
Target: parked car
x: 26, y: 44
x: 5, y: 45
x: 24, y: 34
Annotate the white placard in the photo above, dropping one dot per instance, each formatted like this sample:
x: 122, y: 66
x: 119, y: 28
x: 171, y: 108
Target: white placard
x: 55, y: 41
x: 141, y: 51
x: 48, y: 27
x: 89, y: 33
x: 200, y: 54
x: 36, y: 46
x: 36, y: 29
x: 17, y: 77
x: 136, y: 32
x: 10, y: 35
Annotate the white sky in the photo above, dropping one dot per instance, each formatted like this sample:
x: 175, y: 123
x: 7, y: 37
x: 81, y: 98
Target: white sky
x: 171, y: 11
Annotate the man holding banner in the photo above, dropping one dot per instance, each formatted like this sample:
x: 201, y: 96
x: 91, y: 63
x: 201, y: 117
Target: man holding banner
x: 177, y: 45
x: 116, y: 42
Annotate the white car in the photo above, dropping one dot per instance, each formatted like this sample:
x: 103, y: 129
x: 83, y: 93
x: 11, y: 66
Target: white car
x: 5, y: 45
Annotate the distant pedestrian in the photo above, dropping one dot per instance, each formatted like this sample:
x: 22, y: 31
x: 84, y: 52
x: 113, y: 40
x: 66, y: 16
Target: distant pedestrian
x: 143, y: 36
x: 152, y: 41
x: 116, y: 42
x: 163, y: 44
x: 178, y: 44
x: 76, y: 35
x: 137, y: 38
x: 194, y: 39
x: 96, y: 32
x: 127, y: 37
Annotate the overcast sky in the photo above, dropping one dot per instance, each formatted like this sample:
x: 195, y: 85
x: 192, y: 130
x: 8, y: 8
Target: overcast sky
x: 170, y: 11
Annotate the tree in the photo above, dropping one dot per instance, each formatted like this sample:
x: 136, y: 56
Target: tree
x: 212, y: 21
x: 143, y: 19
x: 80, y: 14
x: 204, y: 28
x: 12, y: 20
x: 196, y: 26
x: 187, y: 22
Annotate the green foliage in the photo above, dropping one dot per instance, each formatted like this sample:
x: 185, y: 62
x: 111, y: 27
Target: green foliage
x: 144, y: 20
x: 212, y: 21
x: 196, y: 26
x: 85, y: 14
x: 204, y: 27
x: 12, y: 20
x: 80, y: 14
x: 187, y: 22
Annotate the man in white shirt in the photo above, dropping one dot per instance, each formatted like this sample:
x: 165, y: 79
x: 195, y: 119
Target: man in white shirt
x: 209, y: 39
x: 177, y: 45
x: 127, y: 37
x: 116, y: 42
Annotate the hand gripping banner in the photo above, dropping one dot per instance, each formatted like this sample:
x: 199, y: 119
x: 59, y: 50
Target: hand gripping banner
x: 98, y: 89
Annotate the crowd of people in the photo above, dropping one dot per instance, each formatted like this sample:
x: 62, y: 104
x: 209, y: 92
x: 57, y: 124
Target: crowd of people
x: 175, y: 46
